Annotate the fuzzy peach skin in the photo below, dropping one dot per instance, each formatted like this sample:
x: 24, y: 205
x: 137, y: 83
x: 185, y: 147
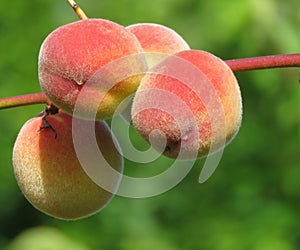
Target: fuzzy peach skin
x: 49, y: 173
x: 75, y: 53
x: 157, y: 41
x: 214, y: 104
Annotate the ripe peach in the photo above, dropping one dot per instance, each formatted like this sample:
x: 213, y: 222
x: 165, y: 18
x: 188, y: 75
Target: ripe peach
x: 157, y: 41
x: 48, y: 171
x: 191, y: 98
x: 86, y: 51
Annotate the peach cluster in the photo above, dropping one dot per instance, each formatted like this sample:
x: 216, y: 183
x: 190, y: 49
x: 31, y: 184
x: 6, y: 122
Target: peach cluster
x: 86, y: 69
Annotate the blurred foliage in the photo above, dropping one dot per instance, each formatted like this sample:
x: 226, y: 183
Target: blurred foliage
x: 253, y: 199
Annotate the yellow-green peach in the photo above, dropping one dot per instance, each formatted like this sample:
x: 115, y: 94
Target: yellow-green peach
x: 48, y: 171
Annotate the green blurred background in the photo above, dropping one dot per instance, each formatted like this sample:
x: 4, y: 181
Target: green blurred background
x: 253, y: 199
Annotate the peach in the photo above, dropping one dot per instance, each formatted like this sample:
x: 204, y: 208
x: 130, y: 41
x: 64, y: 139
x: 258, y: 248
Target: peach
x: 157, y: 41
x: 49, y: 173
x: 192, y: 99
x: 96, y: 55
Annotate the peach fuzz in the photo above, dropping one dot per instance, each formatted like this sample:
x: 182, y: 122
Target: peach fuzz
x: 157, y: 41
x: 48, y: 171
x: 75, y: 53
x: 204, y: 85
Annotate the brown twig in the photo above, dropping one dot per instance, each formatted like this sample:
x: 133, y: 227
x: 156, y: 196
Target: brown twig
x: 79, y: 12
x: 264, y: 62
x: 23, y: 100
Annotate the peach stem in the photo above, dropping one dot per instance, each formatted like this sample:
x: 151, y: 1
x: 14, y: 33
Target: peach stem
x: 23, y: 100
x: 79, y: 12
x: 264, y: 62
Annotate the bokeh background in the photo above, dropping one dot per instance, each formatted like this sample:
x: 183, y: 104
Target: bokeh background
x: 253, y: 199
